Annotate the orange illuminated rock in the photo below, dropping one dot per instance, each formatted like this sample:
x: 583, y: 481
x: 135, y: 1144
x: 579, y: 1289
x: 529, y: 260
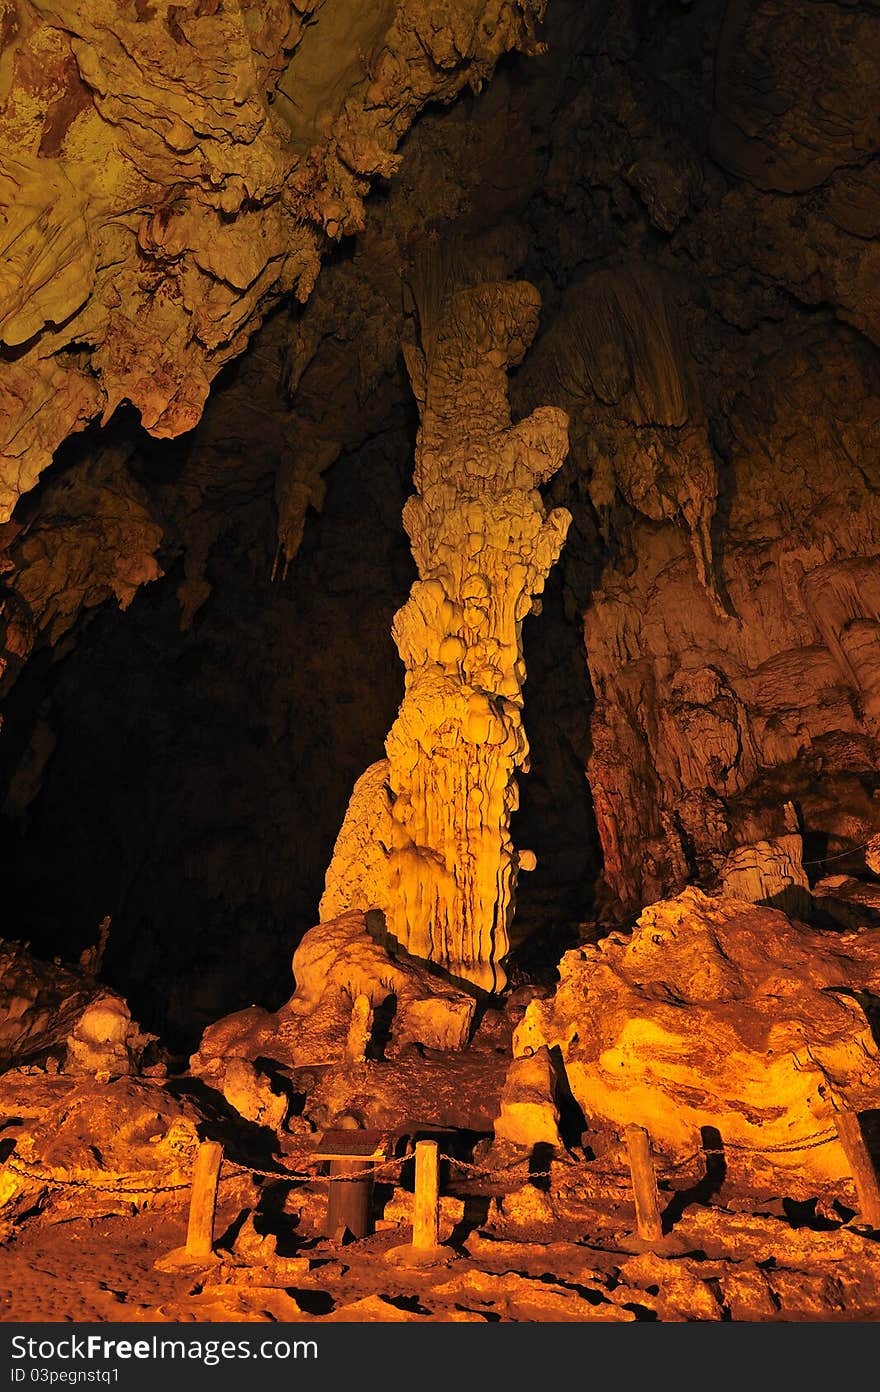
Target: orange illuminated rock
x: 440, y: 809
x: 717, y: 1013
x: 529, y: 1115
x: 100, y: 1148
x: 46, y: 1008
x: 335, y: 965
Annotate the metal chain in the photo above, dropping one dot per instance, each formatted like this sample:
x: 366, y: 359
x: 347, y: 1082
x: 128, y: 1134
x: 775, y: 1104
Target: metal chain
x: 370, y: 1171
x: 788, y: 1148
x: 28, y: 1171
x: 375, y: 1171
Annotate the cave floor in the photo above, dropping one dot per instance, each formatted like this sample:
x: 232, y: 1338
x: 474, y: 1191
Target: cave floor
x: 521, y: 1255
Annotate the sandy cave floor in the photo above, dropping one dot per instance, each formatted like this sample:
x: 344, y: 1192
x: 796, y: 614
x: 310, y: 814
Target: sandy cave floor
x: 543, y: 1261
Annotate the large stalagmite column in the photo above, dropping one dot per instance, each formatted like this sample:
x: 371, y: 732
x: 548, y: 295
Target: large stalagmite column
x: 484, y: 545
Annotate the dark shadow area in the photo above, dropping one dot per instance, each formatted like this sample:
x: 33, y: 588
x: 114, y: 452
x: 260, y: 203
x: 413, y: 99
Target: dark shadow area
x: 311, y: 1301
x: 539, y: 1166
x: 555, y: 817
x: 802, y: 1214
x: 383, y: 1024
x: 195, y: 782
x: 705, y: 1188
x: 476, y: 1213
x: 572, y: 1122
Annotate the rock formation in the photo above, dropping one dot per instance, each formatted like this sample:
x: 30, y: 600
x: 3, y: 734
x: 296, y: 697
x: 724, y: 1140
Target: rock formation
x: 90, y: 1148
x: 48, y: 1010
x: 168, y: 175
x: 717, y: 1014
x: 483, y: 545
x: 335, y: 965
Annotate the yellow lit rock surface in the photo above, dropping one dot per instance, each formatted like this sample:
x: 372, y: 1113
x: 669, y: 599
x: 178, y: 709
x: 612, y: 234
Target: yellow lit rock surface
x: 358, y: 873
x: 168, y: 173
x: 717, y: 1013
x: 529, y: 1115
x: 484, y: 545
x: 105, y: 1040
x: 334, y: 965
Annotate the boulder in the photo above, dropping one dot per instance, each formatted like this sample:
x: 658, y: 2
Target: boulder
x: 722, y: 1014
x: 529, y: 1115
x: 344, y: 973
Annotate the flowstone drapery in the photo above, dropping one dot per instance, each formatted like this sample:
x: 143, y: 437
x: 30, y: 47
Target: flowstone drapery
x: 440, y: 807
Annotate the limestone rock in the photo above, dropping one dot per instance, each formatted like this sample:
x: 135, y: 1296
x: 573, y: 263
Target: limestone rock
x: 167, y: 176
x: 529, y: 1115
x: 102, y: 1147
x: 43, y: 1005
x: 335, y: 965
x: 849, y: 901
x: 768, y: 872
x: 95, y: 538
x: 105, y: 1041
x: 483, y: 544
x: 248, y: 1091
x: 716, y: 1013
x: 357, y: 877
x: 706, y: 727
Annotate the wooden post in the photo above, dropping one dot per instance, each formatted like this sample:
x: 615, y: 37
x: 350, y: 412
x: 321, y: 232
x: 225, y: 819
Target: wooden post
x: 426, y: 1200
x: 350, y: 1201
x: 861, y: 1166
x: 644, y: 1183
x: 203, y: 1200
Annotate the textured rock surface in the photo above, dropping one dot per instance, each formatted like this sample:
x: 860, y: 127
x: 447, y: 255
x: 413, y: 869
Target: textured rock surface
x: 716, y: 1013
x: 529, y: 1115
x: 105, y: 1042
x: 768, y: 872
x: 484, y: 545
x: 98, y: 1148
x: 335, y: 963
x: 167, y: 174
x: 45, y: 1005
x: 704, y: 237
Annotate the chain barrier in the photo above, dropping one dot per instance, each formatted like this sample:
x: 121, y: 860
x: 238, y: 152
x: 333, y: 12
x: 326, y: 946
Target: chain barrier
x: 377, y: 1170
x: 787, y: 1148
x: 28, y: 1171
x: 374, y: 1170
x: 232, y: 1170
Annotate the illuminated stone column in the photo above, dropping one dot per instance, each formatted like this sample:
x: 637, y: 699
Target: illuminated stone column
x: 483, y: 544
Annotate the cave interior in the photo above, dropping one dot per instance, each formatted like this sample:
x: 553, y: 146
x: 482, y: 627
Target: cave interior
x: 440, y: 658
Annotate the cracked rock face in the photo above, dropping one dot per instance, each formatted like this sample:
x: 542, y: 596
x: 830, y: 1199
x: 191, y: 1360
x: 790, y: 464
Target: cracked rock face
x: 168, y: 172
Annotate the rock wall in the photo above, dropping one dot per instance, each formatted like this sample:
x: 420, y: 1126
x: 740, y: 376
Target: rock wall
x: 693, y: 190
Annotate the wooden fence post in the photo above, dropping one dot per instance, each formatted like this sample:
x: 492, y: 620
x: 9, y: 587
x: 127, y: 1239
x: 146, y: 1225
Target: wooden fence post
x: 644, y: 1183
x: 198, y: 1250
x: 426, y: 1199
x: 203, y: 1200
x: 861, y: 1166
